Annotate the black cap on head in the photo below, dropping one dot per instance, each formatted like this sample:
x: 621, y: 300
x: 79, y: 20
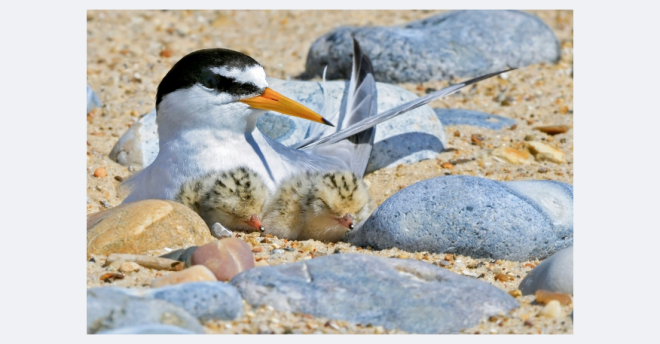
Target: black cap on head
x: 195, y: 68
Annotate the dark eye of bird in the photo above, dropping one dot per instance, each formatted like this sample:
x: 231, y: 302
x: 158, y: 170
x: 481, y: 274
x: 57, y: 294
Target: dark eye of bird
x: 210, y: 81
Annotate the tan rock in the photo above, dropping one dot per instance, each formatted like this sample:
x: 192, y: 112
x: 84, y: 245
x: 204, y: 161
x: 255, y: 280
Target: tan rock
x: 512, y: 155
x: 544, y: 297
x: 226, y: 257
x: 143, y: 226
x: 195, y: 273
x: 543, y: 151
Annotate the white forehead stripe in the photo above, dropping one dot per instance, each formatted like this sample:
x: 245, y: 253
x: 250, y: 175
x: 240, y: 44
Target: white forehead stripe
x: 253, y: 75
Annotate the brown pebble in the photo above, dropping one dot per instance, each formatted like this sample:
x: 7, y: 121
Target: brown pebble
x: 457, y: 133
x: 225, y: 258
x: 100, y: 172
x: 529, y: 323
x: 553, y: 129
x: 476, y: 139
x: 502, y: 277
x: 563, y: 109
x: 166, y: 53
x: 119, y: 178
x: 513, y: 127
x: 449, y: 257
x: 448, y: 165
x: 544, y: 296
x: 257, y: 249
x: 111, y: 276
x: 195, y: 273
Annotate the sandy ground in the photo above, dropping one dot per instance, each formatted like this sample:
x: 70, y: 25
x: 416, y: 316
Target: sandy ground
x: 128, y: 53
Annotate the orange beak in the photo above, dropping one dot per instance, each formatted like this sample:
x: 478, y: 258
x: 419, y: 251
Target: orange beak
x: 271, y: 100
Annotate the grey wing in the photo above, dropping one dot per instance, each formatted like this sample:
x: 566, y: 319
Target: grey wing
x: 373, y: 121
x: 361, y: 104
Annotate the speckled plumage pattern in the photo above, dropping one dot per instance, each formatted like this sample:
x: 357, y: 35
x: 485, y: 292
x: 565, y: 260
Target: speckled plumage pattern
x: 229, y: 197
x: 308, y: 206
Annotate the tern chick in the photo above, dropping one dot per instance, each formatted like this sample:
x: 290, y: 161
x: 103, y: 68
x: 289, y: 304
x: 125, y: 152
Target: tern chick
x: 233, y: 198
x: 319, y: 206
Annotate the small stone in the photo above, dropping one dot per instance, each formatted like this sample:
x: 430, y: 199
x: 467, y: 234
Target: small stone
x: 445, y: 263
x: 143, y: 226
x: 544, y: 152
x: 119, y: 178
x: 515, y: 293
x: 225, y: 258
x: 512, y: 155
x: 551, y: 310
x: 111, y: 276
x: 543, y: 170
x: 277, y: 251
x: 129, y: 267
x: 100, y: 172
x: 219, y: 231
x: 528, y: 323
x: 166, y: 52
x: 477, y: 139
x: 473, y: 118
x: 257, y: 249
x: 192, y: 274
x: 530, y: 137
x: 554, y: 274
x: 457, y: 133
x: 553, y: 129
x: 544, y: 296
x: 447, y: 165
x: 502, y: 277
x: 563, y: 110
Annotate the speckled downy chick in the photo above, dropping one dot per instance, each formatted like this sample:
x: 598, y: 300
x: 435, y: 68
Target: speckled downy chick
x: 319, y: 206
x: 234, y: 198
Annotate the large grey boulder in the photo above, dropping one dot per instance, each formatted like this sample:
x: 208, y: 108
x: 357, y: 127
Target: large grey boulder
x: 474, y: 216
x: 452, y: 44
x: 413, y: 296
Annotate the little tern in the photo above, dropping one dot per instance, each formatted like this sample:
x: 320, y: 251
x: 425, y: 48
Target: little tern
x: 207, y: 107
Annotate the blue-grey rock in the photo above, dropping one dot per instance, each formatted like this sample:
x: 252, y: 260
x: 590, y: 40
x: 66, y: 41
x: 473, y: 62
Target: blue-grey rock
x: 474, y: 216
x: 413, y: 296
x: 204, y: 300
x: 452, y: 44
x: 92, y: 100
x: 138, y: 147
x: 408, y: 138
x: 554, y: 274
x: 111, y: 308
x: 148, y: 329
x: 475, y: 118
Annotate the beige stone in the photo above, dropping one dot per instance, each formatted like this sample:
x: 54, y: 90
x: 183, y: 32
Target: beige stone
x: 143, y: 226
x: 195, y: 273
x: 551, y: 310
x: 512, y: 155
x: 129, y: 267
x: 545, y: 152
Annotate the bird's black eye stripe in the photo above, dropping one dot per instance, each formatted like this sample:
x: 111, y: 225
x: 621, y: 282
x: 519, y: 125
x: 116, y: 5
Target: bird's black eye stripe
x: 229, y: 85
